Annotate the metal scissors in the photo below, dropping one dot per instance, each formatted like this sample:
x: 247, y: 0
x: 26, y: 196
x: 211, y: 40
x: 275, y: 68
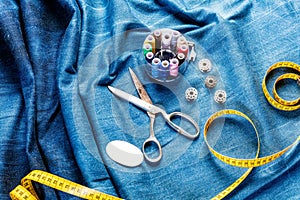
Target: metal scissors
x: 152, y: 110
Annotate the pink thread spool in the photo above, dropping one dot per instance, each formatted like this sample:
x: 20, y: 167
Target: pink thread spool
x: 174, y: 64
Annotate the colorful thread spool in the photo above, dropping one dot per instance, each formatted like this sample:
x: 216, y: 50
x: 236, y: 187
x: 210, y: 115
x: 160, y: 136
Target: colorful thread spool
x: 183, y: 49
x: 181, y: 58
x: 147, y: 48
x: 174, y: 67
x: 157, y: 36
x: 175, y: 36
x: 149, y: 57
x: 156, y: 62
x: 166, y: 41
x: 151, y: 40
x: 181, y: 41
x: 167, y: 55
x: 164, y: 69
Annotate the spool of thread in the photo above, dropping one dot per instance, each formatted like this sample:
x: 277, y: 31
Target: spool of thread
x: 149, y: 57
x: 181, y: 58
x: 181, y: 41
x: 166, y: 41
x: 147, y: 48
x: 164, y: 69
x: 184, y: 49
x: 156, y: 63
x: 157, y: 36
x: 174, y: 64
x: 175, y: 36
x: 151, y: 40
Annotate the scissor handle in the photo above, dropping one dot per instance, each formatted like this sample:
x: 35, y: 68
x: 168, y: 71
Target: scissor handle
x: 180, y: 130
x: 152, y: 139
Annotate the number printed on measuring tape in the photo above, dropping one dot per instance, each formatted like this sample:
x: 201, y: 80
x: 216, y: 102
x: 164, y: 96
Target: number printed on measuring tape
x: 26, y: 191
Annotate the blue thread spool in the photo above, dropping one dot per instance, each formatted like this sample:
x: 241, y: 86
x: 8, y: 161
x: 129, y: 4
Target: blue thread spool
x: 156, y: 62
x: 164, y: 69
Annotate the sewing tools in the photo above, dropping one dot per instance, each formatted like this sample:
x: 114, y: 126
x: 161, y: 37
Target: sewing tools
x: 152, y: 110
x: 166, y: 45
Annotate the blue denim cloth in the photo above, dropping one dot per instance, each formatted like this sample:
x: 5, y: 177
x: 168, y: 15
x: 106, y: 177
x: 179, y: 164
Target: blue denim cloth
x: 57, y: 114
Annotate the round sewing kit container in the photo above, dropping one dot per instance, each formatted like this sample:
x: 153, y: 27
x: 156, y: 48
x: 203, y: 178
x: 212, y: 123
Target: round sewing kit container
x: 165, y: 51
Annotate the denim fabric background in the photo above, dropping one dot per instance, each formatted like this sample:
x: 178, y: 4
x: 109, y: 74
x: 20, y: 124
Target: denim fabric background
x: 56, y: 114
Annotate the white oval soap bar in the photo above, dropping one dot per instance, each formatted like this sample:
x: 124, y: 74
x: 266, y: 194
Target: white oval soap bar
x: 124, y: 153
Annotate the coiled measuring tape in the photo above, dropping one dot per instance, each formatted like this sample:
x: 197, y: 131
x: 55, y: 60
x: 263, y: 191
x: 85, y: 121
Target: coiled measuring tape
x: 244, y: 163
x: 278, y: 102
x: 26, y: 191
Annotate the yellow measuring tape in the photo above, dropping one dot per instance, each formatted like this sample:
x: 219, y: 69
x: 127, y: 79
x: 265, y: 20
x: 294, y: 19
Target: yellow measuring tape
x: 245, y: 163
x: 26, y: 191
x: 278, y: 103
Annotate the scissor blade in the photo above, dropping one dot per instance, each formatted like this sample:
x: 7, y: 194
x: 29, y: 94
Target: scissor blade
x: 139, y: 87
x: 136, y: 101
